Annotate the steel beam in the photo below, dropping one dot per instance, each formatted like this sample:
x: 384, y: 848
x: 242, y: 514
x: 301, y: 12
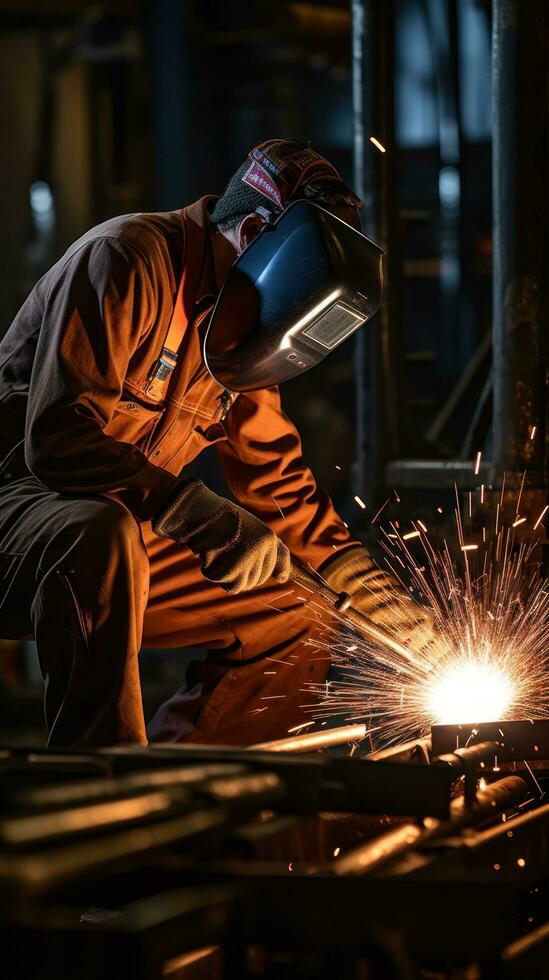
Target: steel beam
x: 376, y: 180
x: 520, y: 53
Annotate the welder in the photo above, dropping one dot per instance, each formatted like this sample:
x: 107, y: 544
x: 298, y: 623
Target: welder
x: 114, y: 376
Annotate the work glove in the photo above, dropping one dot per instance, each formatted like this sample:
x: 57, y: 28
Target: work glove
x: 236, y: 550
x: 378, y: 595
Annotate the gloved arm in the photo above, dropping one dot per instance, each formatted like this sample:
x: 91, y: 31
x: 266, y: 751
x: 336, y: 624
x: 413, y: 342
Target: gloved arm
x: 94, y: 319
x: 235, y: 549
x: 263, y: 464
x: 378, y: 595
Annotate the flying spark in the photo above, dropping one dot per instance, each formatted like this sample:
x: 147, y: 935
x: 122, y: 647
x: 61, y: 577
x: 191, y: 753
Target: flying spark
x: 358, y: 500
x: 377, y: 144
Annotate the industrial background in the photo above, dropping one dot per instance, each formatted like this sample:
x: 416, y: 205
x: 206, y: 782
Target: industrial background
x: 136, y: 106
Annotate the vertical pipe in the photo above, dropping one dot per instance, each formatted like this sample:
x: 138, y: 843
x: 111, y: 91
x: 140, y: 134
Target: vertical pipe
x: 376, y: 180
x: 520, y: 202
x: 166, y: 23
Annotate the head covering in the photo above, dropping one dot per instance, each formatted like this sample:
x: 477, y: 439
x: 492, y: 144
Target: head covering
x: 278, y: 172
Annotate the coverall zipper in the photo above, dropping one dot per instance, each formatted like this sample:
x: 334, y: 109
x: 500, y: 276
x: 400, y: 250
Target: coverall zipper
x: 226, y: 400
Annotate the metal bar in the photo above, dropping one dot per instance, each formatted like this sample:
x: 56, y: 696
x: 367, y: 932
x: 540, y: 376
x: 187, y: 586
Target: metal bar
x: 415, y: 751
x: 313, y: 782
x: 467, y: 761
x: 490, y: 802
x: 315, y: 740
x: 527, y: 956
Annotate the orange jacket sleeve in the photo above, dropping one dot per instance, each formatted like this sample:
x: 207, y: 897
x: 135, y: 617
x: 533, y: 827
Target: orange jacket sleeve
x: 95, y: 316
x: 263, y: 464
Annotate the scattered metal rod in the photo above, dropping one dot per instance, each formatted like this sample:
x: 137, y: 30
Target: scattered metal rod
x: 243, y: 791
x: 314, y: 740
x: 418, y: 751
x: 89, y: 791
x: 35, y: 873
x: 490, y: 802
x: 467, y: 761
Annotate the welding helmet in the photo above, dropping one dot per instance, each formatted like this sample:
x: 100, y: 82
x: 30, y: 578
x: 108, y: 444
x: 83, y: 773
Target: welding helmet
x: 304, y: 285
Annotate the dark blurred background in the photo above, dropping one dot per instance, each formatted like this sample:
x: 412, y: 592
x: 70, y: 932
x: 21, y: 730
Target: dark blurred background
x: 133, y: 106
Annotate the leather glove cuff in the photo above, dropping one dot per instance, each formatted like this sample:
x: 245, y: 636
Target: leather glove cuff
x: 177, y: 517
x: 353, y: 570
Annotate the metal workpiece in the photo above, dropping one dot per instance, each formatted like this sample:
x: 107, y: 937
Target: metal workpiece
x: 315, y: 740
x: 416, y: 751
x: 198, y: 845
x: 494, y: 798
x: 527, y: 956
x: 377, y: 852
x: 245, y: 792
x: 91, y: 790
x: 488, y: 804
x: 520, y: 178
x: 513, y: 740
x: 511, y: 852
x: 467, y: 762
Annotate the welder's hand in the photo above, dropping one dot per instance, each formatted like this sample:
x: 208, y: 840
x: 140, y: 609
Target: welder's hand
x: 236, y: 550
x: 378, y: 595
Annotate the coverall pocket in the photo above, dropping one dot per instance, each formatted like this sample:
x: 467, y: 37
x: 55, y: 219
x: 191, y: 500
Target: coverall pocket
x: 134, y: 423
x: 197, y: 441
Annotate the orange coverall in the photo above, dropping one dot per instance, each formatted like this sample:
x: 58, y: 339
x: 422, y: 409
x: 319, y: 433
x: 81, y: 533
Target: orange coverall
x: 93, y: 437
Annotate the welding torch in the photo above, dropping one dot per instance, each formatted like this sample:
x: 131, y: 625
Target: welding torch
x: 341, y: 603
